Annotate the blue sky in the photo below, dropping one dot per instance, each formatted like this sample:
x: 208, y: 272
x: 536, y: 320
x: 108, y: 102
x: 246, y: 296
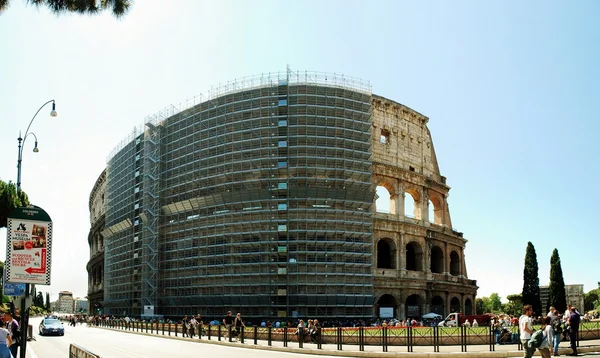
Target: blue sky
x: 511, y: 89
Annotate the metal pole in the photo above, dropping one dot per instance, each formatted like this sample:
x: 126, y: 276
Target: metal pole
x: 24, y: 309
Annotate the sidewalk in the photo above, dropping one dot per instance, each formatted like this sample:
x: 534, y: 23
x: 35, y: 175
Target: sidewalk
x: 349, y: 350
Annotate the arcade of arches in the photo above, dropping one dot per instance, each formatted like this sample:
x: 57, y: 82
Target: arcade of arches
x: 419, y: 271
x: 415, y: 305
x: 414, y: 260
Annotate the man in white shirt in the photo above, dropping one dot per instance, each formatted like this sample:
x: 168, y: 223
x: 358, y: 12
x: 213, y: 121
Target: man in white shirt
x: 551, y: 314
x: 526, y: 330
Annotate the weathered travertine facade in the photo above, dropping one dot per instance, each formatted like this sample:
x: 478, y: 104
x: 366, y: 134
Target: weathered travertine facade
x: 419, y: 261
x: 95, y: 266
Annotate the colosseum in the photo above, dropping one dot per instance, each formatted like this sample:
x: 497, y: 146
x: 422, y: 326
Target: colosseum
x: 261, y: 197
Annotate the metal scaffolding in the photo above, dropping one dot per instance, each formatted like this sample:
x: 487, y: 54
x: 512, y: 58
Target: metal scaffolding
x: 256, y: 198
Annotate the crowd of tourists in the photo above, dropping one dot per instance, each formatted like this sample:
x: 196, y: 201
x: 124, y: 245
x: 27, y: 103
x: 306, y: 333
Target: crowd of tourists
x: 555, y: 327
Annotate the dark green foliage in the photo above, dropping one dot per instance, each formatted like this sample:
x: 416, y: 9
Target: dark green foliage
x: 118, y: 7
x: 47, y: 306
x: 39, y: 300
x: 514, y: 304
x: 531, y: 281
x: 591, y: 300
x: 479, y: 306
x: 556, y: 290
x: 9, y: 200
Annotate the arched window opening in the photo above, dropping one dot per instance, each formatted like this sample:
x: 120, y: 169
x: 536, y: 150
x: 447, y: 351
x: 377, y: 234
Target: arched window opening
x: 414, y: 257
x: 436, y: 211
x: 413, y: 306
x: 430, y: 212
x: 411, y: 205
x: 454, y: 264
x: 437, y: 260
x: 437, y: 305
x: 386, y: 254
x: 387, y: 306
x: 385, y: 202
x: 468, y: 307
x: 455, y: 305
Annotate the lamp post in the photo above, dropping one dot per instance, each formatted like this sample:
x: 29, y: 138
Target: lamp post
x: 21, y: 140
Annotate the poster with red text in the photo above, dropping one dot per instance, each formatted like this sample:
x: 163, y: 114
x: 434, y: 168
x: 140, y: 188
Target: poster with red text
x: 28, y: 248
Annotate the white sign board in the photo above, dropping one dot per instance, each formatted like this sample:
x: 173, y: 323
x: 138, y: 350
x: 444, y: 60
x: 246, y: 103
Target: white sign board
x: 28, y: 246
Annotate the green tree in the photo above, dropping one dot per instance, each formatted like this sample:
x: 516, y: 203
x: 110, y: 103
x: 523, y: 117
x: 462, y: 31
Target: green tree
x: 479, y: 306
x: 47, y: 301
x: 514, y: 304
x: 118, y: 7
x: 591, y: 300
x: 39, y: 300
x: 531, y: 281
x: 556, y: 290
x: 9, y: 200
x: 495, y: 303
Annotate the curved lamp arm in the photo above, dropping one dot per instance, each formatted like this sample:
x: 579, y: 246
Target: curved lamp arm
x: 22, y: 140
x: 52, y: 113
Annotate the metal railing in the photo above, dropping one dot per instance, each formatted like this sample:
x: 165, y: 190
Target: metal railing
x: 410, y: 337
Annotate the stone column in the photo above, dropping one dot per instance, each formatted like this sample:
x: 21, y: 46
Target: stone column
x: 446, y: 303
x: 425, y: 206
x: 446, y: 259
x: 401, y: 254
x: 463, y: 266
x: 400, y: 200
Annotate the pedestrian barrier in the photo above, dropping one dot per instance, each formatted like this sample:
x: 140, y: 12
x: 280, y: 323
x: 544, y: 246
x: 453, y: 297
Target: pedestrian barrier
x: 76, y: 351
x: 385, y: 337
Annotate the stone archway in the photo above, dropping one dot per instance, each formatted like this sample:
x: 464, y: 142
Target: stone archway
x: 468, y: 306
x: 454, y: 304
x: 414, y: 256
x: 437, y: 260
x: 385, y: 198
x: 413, y: 306
x: 454, y: 263
x: 386, y: 306
x: 437, y: 305
x: 386, y: 254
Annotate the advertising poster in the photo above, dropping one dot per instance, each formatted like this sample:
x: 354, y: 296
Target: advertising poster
x: 28, y: 246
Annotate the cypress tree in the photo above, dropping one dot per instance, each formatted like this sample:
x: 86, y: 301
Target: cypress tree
x: 531, y: 281
x: 556, y: 290
x: 47, y: 301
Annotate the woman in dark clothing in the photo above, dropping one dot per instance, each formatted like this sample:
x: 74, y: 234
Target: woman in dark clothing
x: 238, y: 324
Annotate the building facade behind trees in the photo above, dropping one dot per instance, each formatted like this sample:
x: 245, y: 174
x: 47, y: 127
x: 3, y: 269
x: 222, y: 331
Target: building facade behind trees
x: 260, y: 198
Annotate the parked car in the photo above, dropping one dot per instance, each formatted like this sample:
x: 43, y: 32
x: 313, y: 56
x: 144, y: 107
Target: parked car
x: 51, y: 326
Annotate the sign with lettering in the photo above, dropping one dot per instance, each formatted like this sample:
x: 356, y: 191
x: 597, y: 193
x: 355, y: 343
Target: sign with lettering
x: 28, y: 246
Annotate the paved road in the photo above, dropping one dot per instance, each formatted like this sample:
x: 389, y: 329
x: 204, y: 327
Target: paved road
x: 114, y: 344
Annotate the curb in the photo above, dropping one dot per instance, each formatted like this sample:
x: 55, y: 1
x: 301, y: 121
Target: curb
x: 370, y: 354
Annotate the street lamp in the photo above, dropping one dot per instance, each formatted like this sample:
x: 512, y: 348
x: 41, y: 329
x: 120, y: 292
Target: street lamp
x: 24, y: 309
x: 22, y: 141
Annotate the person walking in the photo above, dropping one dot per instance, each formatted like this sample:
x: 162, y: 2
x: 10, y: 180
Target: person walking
x: 200, y: 325
x: 192, y: 327
x: 228, y: 321
x: 526, y: 329
x: 12, y: 325
x: 5, y: 342
x: 238, y: 323
x: 573, y: 325
x: 557, y: 330
x: 185, y: 324
x: 546, y: 345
